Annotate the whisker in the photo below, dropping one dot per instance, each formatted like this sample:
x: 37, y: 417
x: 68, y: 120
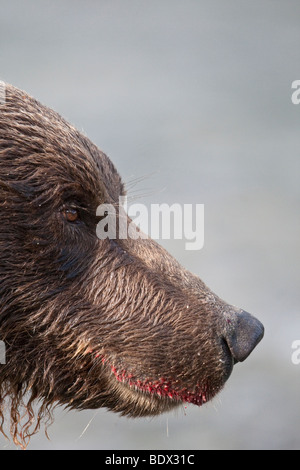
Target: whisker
x: 134, y: 181
x: 88, y: 425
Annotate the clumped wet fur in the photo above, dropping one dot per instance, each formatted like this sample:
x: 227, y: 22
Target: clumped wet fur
x: 91, y: 323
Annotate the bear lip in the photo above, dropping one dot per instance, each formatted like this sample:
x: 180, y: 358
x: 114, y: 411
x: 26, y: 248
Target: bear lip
x: 161, y: 387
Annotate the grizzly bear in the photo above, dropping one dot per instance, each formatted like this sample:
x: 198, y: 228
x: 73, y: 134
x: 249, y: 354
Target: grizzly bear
x: 89, y: 322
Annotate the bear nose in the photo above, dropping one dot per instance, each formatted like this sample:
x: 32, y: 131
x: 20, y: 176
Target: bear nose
x: 243, y: 334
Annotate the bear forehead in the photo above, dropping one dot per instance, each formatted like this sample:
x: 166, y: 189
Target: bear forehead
x: 35, y: 138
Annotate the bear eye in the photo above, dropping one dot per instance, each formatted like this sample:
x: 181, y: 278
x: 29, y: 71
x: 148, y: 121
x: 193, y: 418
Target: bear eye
x: 71, y: 215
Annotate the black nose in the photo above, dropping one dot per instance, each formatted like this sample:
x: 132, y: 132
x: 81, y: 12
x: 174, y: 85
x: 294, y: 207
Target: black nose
x: 243, y: 334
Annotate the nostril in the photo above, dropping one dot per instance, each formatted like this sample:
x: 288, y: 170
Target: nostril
x: 243, y: 336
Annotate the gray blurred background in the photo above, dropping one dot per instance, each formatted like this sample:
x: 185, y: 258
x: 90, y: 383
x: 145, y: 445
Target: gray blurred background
x: 194, y: 97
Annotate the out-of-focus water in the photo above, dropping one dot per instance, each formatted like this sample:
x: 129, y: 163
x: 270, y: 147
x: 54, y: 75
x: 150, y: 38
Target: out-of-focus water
x: 195, y: 96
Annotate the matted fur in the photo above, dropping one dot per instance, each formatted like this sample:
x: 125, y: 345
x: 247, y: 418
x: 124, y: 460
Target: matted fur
x: 87, y: 322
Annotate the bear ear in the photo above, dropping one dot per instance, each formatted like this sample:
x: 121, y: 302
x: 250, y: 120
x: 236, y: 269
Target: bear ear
x: 244, y: 336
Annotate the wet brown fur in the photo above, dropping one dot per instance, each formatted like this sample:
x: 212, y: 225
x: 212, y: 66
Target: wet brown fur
x: 87, y: 322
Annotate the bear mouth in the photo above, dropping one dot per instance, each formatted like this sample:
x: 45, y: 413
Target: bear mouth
x: 162, y: 387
